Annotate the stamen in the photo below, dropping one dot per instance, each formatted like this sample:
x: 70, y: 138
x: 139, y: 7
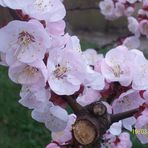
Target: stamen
x: 117, y: 70
x: 30, y: 70
x: 25, y: 38
x: 60, y: 71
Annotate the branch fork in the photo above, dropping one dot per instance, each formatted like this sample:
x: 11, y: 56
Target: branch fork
x: 93, y: 121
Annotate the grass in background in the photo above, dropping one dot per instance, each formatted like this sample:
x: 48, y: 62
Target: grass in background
x: 17, y: 128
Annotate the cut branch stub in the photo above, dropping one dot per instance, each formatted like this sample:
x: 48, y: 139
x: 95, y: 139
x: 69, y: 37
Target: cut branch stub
x: 86, y: 130
x: 97, y: 108
x: 91, y: 124
x: 93, y: 121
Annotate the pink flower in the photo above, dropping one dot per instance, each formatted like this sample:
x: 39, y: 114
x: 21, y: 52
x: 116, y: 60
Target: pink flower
x: 65, y: 74
x: 92, y: 57
x: 56, y: 31
x: 65, y: 135
x: 129, y: 11
x: 125, y: 141
x: 116, y: 66
x: 140, y: 72
x: 15, y: 4
x: 32, y: 73
x: 52, y: 145
x: 49, y: 10
x: 93, y: 82
x: 142, y: 127
x: 59, y: 41
x: 107, y: 7
x: 125, y: 103
x: 56, y: 28
x: 133, y: 26
x: 34, y: 97
x: 88, y: 96
x: 144, y: 27
x: 120, y: 141
x: 54, y: 117
x: 128, y: 123
x: 142, y: 13
x: 98, y: 63
x: 116, y: 128
x: 24, y: 41
x: 74, y: 44
x: 119, y: 9
x: 145, y: 3
x: 132, y: 42
x: 115, y: 9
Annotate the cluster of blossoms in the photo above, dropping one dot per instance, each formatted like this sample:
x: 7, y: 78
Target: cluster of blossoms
x: 138, y: 27
x: 113, y: 9
x: 137, y: 24
x: 49, y: 64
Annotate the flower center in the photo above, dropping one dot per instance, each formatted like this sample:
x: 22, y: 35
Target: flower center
x: 117, y: 70
x: 29, y: 70
x: 25, y: 38
x: 60, y: 71
x: 126, y: 101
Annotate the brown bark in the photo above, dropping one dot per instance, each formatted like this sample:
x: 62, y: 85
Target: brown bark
x: 93, y: 121
x: 73, y: 104
x: 120, y: 116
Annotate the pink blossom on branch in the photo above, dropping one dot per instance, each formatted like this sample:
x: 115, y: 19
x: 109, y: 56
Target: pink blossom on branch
x: 143, y: 26
x: 65, y: 74
x: 32, y: 73
x: 140, y: 71
x: 132, y: 42
x: 125, y: 103
x: 115, y: 9
x: 34, y: 97
x: 65, y: 135
x: 116, y: 66
x: 24, y: 41
x: 133, y: 25
x: 48, y: 10
x: 120, y: 141
x: 54, y: 117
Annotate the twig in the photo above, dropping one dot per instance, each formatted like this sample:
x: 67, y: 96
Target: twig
x: 14, y: 14
x: 73, y: 104
x: 120, y: 116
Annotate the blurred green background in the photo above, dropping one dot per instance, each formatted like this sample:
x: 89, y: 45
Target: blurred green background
x: 17, y: 128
